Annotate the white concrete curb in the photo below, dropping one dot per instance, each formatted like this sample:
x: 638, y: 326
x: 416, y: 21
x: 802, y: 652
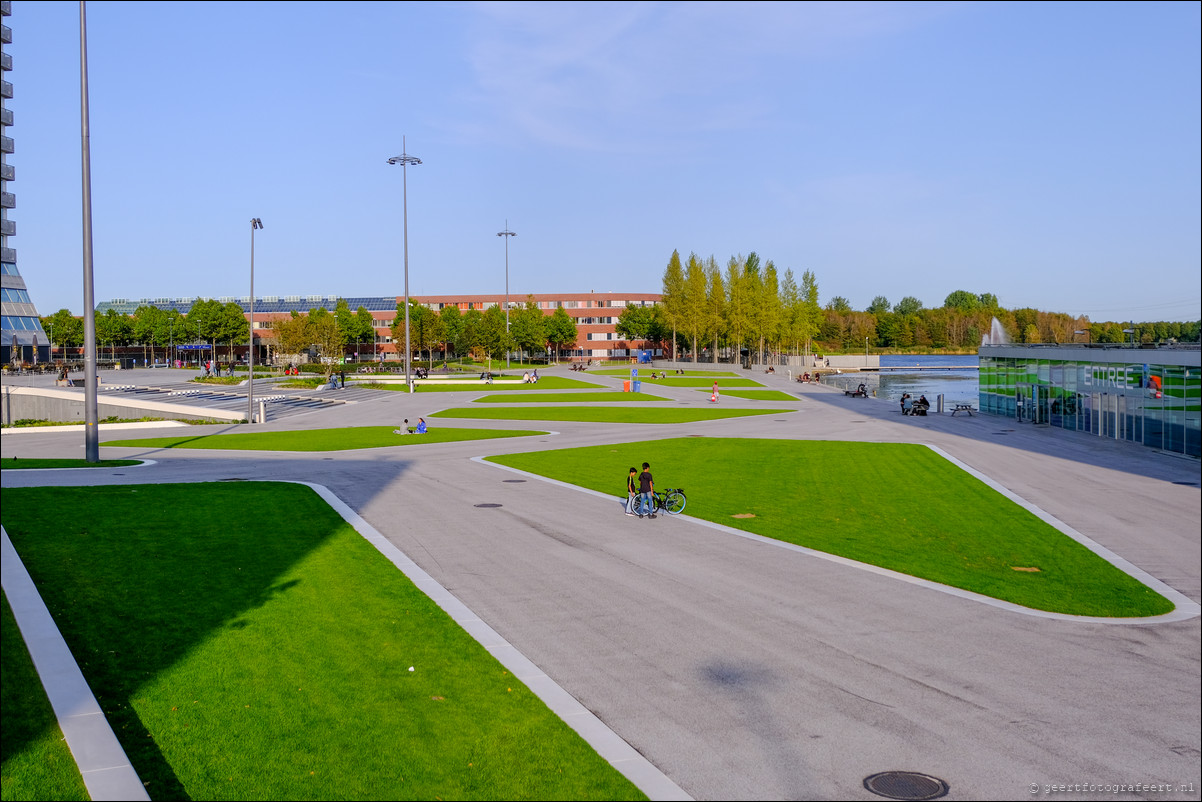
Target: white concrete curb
x: 106, y: 770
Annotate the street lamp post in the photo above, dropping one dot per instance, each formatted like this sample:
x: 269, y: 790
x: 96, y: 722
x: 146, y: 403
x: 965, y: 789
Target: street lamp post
x: 255, y: 224
x: 405, y: 160
x: 91, y: 404
x: 506, y: 234
x: 865, y: 352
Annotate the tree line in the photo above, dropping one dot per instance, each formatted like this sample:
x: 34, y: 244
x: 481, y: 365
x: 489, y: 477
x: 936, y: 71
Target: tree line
x: 750, y: 306
x: 329, y: 334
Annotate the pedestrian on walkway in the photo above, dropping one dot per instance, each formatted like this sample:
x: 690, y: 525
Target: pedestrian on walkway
x: 646, y: 488
x: 632, y: 487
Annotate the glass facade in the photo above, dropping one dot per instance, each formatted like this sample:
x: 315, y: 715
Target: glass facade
x: 1147, y: 396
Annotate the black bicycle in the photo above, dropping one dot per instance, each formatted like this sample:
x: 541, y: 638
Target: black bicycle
x: 670, y: 501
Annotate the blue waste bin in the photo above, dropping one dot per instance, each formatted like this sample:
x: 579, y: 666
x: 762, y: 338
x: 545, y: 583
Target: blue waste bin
x: 636, y: 386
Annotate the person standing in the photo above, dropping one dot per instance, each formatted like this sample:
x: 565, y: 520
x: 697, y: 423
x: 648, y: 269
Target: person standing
x: 646, y: 488
x: 632, y: 487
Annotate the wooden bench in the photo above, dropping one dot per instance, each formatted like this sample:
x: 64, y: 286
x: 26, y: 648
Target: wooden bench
x: 962, y: 408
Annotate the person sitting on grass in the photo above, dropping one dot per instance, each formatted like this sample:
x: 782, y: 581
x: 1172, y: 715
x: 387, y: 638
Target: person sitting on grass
x: 404, y: 428
x: 421, y: 426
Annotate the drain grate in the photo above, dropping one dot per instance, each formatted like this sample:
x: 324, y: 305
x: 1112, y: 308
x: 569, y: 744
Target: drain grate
x: 513, y: 481
x: 488, y: 505
x: 905, y: 785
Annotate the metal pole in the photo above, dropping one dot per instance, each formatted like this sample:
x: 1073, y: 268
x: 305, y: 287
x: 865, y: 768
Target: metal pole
x: 250, y: 357
x: 405, y: 160
x: 91, y: 415
x: 506, y: 234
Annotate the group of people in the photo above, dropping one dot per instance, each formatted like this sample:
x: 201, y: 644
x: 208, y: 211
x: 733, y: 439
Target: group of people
x: 911, y: 407
x: 639, y: 489
x: 421, y: 427
x: 530, y: 378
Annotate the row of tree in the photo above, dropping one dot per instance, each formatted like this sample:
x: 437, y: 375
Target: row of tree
x: 750, y: 306
x: 454, y: 333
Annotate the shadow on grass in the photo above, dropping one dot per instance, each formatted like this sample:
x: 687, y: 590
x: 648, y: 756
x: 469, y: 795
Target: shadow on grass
x: 214, y: 567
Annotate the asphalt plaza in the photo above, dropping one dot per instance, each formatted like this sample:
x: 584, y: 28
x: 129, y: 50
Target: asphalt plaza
x: 742, y: 670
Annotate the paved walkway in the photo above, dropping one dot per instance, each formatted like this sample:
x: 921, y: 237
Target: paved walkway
x: 743, y: 670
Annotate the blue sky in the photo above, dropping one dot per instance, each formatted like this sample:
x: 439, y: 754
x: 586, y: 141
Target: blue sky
x: 1047, y: 153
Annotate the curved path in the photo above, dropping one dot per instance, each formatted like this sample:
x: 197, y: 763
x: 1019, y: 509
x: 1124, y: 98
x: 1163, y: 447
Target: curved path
x: 743, y: 670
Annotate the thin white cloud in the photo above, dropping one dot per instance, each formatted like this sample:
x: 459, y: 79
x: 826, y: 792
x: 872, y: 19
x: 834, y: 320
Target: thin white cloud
x: 619, y: 77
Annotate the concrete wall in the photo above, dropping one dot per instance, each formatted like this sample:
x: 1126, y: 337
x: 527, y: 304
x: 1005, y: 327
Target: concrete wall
x: 19, y: 403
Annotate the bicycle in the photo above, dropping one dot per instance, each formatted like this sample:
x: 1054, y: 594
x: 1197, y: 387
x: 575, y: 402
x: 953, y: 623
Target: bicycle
x: 671, y: 501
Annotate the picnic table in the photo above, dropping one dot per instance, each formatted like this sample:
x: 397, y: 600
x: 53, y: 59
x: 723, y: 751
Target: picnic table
x: 962, y: 408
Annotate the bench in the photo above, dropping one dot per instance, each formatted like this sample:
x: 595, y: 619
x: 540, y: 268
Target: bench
x: 962, y: 408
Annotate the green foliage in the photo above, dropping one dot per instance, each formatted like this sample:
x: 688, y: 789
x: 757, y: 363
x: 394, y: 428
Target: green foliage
x: 908, y: 306
x: 528, y: 328
x: 65, y: 330
x: 838, y: 304
x: 879, y: 306
x: 635, y: 322
x: 561, y: 330
x: 962, y: 300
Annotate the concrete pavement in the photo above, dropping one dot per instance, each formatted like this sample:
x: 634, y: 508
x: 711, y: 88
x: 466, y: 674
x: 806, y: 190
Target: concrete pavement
x: 742, y: 670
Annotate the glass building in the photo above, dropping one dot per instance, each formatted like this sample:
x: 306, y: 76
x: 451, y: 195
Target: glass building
x: 1146, y: 394
x: 21, y: 336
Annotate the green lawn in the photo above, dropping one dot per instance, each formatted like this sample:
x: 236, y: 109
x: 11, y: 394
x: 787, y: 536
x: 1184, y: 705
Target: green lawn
x: 756, y: 395
x: 615, y: 396
x: 266, y: 654
x: 474, y: 385
x: 35, y: 762
x: 899, y: 506
x: 644, y: 371
x: 604, y: 414
x: 320, y: 439
x: 701, y: 381
x: 26, y: 463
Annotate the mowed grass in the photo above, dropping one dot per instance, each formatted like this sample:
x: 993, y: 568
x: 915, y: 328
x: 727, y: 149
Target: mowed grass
x: 477, y: 386
x: 27, y: 463
x: 266, y: 654
x: 320, y: 439
x: 707, y: 382
x: 898, y: 506
x: 35, y: 762
x: 603, y: 414
x: 756, y: 395
x: 607, y: 396
x: 645, y: 371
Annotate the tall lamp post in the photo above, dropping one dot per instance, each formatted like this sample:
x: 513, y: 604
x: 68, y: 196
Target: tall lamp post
x: 91, y: 405
x: 255, y: 224
x: 506, y: 234
x: 405, y: 160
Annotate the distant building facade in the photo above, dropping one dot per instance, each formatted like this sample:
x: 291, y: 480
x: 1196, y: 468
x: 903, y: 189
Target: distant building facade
x: 21, y: 336
x: 594, y: 313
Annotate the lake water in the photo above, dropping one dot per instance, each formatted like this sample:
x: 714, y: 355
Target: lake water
x: 957, y: 386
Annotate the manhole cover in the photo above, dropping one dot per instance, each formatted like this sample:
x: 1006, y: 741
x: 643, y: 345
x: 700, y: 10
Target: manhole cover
x: 905, y: 785
x: 488, y: 505
x: 513, y: 481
